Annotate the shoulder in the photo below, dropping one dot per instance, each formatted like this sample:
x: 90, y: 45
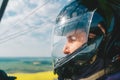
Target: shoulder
x: 115, y: 76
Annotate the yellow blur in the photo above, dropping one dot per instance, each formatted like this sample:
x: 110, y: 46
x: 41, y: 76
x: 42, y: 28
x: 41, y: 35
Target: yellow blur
x: 35, y: 76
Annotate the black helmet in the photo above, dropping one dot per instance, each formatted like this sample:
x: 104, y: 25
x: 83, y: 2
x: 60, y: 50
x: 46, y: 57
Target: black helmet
x: 77, y: 19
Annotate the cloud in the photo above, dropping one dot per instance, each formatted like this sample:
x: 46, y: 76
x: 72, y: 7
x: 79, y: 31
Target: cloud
x: 26, y: 27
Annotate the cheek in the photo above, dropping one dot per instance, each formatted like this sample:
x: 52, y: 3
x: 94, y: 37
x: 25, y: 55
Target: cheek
x: 75, y: 46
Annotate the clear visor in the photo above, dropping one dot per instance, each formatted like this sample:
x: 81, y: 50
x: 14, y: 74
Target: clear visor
x: 69, y: 35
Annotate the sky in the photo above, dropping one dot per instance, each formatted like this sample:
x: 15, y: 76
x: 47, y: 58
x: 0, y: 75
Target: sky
x: 26, y: 27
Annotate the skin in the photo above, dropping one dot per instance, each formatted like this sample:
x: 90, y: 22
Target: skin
x: 75, y: 39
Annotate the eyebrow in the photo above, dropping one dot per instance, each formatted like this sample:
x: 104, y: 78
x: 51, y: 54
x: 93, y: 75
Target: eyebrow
x: 69, y: 36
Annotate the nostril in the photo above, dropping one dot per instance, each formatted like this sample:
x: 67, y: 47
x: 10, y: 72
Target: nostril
x: 66, y: 51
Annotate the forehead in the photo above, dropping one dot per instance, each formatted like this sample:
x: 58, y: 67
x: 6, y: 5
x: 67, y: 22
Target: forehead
x: 76, y: 32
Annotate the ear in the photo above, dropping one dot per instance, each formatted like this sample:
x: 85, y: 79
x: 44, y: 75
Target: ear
x: 102, y: 28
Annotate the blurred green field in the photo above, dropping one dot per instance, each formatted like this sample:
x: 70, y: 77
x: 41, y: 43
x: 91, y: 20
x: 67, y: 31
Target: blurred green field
x: 26, y: 65
x: 28, y: 68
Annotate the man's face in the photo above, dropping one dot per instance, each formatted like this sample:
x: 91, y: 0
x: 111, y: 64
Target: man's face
x: 75, y: 39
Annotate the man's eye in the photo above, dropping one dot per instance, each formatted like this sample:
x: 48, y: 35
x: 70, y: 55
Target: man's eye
x: 72, y: 38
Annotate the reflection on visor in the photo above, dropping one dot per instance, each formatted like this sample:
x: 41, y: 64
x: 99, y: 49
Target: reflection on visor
x: 67, y: 25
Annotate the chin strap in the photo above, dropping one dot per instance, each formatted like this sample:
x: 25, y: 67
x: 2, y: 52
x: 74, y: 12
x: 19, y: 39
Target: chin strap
x: 95, y: 76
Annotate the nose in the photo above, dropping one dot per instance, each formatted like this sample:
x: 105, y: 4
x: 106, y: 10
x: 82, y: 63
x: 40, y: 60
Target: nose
x: 66, y: 49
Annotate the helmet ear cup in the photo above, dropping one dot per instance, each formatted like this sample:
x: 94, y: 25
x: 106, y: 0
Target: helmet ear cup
x: 95, y: 33
x: 97, y: 28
